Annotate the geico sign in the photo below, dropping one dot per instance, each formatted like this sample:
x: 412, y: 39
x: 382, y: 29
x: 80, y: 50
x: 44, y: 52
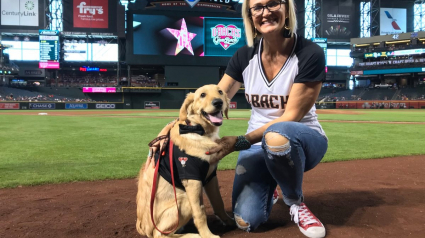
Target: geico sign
x: 105, y: 106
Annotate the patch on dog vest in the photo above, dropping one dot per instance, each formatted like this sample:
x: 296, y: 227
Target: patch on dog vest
x: 183, y: 161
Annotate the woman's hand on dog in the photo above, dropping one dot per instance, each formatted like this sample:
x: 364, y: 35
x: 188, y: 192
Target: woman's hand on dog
x: 226, y: 145
x: 158, y: 145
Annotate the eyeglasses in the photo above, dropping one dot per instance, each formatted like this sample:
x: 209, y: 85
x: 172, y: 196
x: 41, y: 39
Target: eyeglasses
x: 272, y: 6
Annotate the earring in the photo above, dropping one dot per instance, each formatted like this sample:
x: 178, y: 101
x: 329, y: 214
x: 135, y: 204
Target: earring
x: 286, y: 31
x: 255, y: 32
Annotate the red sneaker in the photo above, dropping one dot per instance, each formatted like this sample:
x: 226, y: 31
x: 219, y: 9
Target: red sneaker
x: 275, y: 196
x: 308, y: 223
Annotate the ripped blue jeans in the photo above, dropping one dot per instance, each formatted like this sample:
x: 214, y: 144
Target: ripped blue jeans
x: 259, y: 170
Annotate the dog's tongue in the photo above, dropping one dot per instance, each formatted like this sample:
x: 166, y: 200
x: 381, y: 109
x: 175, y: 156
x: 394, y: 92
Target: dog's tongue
x: 216, y: 117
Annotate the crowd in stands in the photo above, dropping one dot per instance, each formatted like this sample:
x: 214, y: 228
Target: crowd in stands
x: 96, y: 80
x: 370, y: 93
x: 20, y: 94
x: 89, y: 80
x: 144, y: 81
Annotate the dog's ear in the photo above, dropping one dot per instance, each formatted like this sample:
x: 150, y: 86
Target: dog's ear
x: 184, y: 109
x: 226, y: 111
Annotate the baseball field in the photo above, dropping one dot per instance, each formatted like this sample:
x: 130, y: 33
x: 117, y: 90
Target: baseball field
x: 72, y: 173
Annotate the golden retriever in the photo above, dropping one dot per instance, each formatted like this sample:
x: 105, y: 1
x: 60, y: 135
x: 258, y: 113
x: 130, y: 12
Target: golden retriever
x: 204, y: 107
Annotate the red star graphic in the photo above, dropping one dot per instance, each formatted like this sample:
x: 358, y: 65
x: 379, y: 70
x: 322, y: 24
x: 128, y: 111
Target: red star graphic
x: 183, y: 38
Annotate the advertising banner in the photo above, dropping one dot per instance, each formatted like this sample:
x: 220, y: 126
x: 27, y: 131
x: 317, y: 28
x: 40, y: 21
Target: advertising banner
x: 4, y: 106
x: 393, y: 62
x: 233, y: 105
x: 19, y: 13
x: 359, y: 72
x: 31, y: 72
x: 90, y: 13
x: 152, y: 105
x: 76, y: 106
x: 91, y: 17
x: 223, y: 36
x: 99, y: 90
x: 338, y: 19
x: 392, y: 21
x: 105, y: 106
x: 42, y: 106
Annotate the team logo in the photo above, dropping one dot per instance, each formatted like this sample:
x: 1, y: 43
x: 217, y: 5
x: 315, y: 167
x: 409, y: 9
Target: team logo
x: 192, y: 3
x: 226, y: 36
x: 29, y: 5
x: 393, y: 21
x: 183, y: 161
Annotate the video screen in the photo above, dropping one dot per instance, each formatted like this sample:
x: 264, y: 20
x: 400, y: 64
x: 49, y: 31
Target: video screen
x: 168, y: 35
x: 22, y: 50
x: 104, y: 52
x: 223, y: 36
x: 75, y: 51
x: 97, y: 52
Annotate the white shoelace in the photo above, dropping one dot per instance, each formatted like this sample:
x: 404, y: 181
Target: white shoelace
x: 301, y: 213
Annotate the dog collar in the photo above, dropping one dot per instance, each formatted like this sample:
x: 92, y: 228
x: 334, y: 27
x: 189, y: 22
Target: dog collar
x: 185, y: 129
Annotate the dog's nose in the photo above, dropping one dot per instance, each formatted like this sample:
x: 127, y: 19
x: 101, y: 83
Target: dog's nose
x: 218, y: 103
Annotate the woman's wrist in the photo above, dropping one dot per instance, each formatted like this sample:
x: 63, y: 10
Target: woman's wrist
x: 242, y: 143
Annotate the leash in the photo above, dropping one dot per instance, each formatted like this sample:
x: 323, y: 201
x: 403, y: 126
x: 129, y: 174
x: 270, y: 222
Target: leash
x: 154, y: 183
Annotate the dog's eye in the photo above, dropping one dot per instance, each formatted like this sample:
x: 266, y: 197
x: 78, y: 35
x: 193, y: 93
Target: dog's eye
x: 203, y: 95
x: 220, y: 92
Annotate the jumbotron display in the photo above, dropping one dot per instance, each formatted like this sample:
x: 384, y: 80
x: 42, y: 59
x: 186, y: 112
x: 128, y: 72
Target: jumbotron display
x: 192, y: 36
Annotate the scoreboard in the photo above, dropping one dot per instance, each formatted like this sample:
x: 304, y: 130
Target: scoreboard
x: 49, y: 49
x: 323, y: 43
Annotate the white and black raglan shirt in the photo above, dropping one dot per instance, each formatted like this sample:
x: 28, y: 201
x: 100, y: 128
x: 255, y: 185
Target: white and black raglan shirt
x: 306, y: 63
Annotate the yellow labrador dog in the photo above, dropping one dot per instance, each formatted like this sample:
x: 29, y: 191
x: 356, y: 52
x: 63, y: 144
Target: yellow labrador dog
x: 194, y: 133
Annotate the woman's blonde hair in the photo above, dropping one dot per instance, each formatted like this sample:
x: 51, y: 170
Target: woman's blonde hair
x: 249, y: 26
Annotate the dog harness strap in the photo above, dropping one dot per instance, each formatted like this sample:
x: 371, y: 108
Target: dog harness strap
x: 155, y: 177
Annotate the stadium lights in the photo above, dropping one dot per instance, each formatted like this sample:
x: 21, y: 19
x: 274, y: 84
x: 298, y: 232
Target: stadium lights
x: 397, y: 41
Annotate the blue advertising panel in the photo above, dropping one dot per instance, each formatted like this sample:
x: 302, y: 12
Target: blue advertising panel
x: 223, y: 36
x: 76, y: 106
x: 394, y: 71
x: 42, y: 106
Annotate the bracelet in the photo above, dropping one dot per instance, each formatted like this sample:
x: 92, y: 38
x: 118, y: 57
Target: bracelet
x: 242, y: 143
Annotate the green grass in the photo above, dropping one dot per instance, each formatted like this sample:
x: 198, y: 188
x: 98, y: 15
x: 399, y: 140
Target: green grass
x: 53, y: 149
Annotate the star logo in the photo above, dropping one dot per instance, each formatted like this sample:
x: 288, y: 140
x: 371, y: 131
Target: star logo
x: 183, y: 38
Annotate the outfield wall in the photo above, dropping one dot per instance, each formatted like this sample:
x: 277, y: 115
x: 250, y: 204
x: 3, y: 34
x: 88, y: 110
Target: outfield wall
x: 53, y: 106
x: 162, y: 98
x: 171, y: 99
